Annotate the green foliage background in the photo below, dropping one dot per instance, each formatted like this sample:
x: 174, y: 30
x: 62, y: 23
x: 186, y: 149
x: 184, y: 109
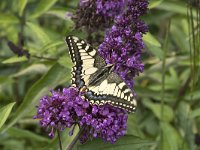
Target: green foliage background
x: 168, y: 114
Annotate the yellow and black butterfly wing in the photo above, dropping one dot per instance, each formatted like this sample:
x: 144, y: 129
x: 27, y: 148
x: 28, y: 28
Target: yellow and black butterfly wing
x: 112, y: 90
x: 107, y: 87
x: 86, y: 61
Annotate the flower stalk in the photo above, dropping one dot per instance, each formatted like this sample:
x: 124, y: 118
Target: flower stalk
x: 76, y: 138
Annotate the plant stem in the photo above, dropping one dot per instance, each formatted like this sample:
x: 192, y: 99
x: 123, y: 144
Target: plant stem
x: 70, y: 147
x: 163, y: 76
x: 164, y: 68
x: 59, y: 138
x: 21, y: 33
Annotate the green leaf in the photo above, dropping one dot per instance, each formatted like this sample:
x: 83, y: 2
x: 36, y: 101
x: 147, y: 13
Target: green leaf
x: 182, y: 115
x: 42, y: 86
x: 39, y: 32
x: 21, y: 6
x: 171, y: 61
x: 4, y: 113
x: 8, y: 19
x: 126, y: 142
x: 146, y: 92
x: 51, y: 45
x: 156, y: 51
x: 195, y: 96
x: 168, y: 114
x: 65, y: 61
x: 20, y: 133
x: 11, y: 143
x: 42, y: 7
x: 153, y: 45
x: 132, y: 126
x: 35, y: 68
x: 179, y: 37
x: 154, y: 3
x: 14, y: 59
x: 150, y: 39
x: 171, y: 139
x: 61, y: 13
x: 195, y: 113
x: 185, y: 125
x: 178, y: 7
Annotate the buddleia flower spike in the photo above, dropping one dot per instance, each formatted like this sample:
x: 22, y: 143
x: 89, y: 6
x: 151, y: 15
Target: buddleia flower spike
x: 101, y: 94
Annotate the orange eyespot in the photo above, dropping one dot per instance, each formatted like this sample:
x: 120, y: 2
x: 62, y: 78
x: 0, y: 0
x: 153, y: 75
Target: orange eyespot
x: 84, y: 89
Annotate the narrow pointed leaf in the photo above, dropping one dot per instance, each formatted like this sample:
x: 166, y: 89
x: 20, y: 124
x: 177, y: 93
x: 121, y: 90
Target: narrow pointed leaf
x: 42, y: 7
x: 4, y: 113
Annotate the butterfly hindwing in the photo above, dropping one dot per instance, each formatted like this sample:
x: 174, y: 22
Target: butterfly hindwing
x: 114, y: 91
x: 90, y: 70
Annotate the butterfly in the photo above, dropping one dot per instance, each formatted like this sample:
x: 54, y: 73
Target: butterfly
x: 98, y: 79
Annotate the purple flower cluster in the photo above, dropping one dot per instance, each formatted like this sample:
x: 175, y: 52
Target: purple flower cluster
x: 66, y: 108
x: 123, y: 43
x: 110, y: 8
x: 97, y: 14
x: 106, y: 122
x: 56, y: 112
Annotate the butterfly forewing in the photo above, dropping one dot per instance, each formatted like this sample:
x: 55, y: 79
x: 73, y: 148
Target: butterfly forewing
x: 90, y: 70
x: 85, y: 59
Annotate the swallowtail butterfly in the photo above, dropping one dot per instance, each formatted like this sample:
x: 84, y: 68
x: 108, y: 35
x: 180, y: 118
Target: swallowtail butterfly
x: 91, y: 74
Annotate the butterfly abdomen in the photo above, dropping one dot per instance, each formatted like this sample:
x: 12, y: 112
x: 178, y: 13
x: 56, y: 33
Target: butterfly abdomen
x: 100, y: 75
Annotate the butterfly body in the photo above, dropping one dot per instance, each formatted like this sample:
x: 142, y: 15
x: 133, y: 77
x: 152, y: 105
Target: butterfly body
x: 91, y: 74
x: 100, y: 75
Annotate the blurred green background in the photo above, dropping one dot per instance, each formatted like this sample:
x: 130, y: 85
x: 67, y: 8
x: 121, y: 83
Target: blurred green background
x: 168, y: 91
